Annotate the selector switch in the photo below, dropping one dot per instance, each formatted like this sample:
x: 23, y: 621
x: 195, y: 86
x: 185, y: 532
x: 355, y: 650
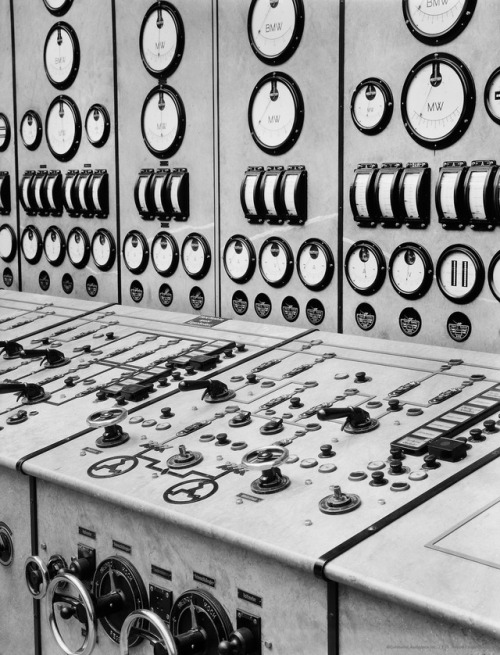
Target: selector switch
x: 184, y: 458
x: 378, y: 479
x: 339, y: 502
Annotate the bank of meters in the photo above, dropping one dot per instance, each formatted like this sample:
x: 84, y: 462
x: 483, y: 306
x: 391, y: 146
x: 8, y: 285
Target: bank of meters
x: 275, y: 195
x: 163, y: 194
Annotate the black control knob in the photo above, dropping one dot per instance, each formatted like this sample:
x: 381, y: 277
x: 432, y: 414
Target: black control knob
x: 252, y: 378
x: 241, y: 348
x: 295, y: 402
x: 361, y: 377
x: 163, y: 382
x: 396, y: 467
x: 228, y: 353
x: 357, y: 419
x: 378, y: 479
x: 490, y: 425
x: 222, y: 439
x: 430, y: 462
x: 110, y: 336
x: 326, y: 450
x: 240, y: 642
x: 166, y: 412
x: 476, y: 434
x: 394, y: 405
x: 397, y: 453
x: 53, y: 358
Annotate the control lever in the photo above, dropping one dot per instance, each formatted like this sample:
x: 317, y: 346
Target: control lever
x: 31, y: 393
x: 240, y: 642
x: 357, y: 419
x: 11, y: 349
x: 53, y: 357
x: 215, y: 390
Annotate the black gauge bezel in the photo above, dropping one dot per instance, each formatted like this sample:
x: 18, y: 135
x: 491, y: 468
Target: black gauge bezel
x: 480, y: 273
x: 385, y: 119
x: 293, y: 44
x: 59, y: 11
x: 293, y: 136
x: 38, y: 121
x: 69, y: 154
x: 86, y: 241
x: 214, y: 621
x: 207, y: 259
x: 494, y: 261
x: 175, y: 254
x: 495, y: 75
x: 12, y: 254
x: 107, y: 124
x: 181, y: 128
x: 39, y: 250
x: 252, y: 261
x: 68, y: 81
x: 330, y: 270
x: 60, y: 258
x: 467, y: 110
x: 426, y: 283
x: 136, y: 270
x: 6, y: 141
x: 448, y: 35
x: 112, y: 252
x: 179, y: 46
x: 289, y: 266
x: 381, y: 267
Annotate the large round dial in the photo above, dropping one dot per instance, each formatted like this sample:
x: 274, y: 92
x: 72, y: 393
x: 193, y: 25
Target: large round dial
x: 276, y: 113
x: 365, y: 267
x: 31, y: 129
x: 460, y: 273
x: 103, y: 250
x: 63, y: 128
x: 163, y: 121
x: 411, y: 270
x: 54, y: 246
x: 78, y: 247
x: 438, y: 101
x: 97, y: 125
x: 31, y: 244
x: 7, y: 243
x: 61, y: 55
x: 493, y: 275
x: 58, y: 7
x: 196, y: 256
x: 436, y: 23
x: 165, y: 254
x: 315, y: 264
x: 135, y: 252
x: 239, y: 259
x: 161, y: 41
x: 276, y: 261
x: 371, y: 106
x: 275, y: 28
x: 4, y: 132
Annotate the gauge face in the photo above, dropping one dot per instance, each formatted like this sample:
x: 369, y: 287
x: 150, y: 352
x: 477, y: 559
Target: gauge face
x: 54, y: 246
x: 163, y: 121
x: 315, y: 264
x: 276, y: 262
x: 31, y: 129
x: 97, y: 125
x: 7, y: 243
x: 4, y: 132
x: 61, y: 55
x: 493, y: 275
x: 275, y: 28
x: 365, y: 267
x: 196, y: 256
x: 103, y: 250
x: 161, y: 41
x: 438, y: 101
x: 436, y: 23
x: 492, y: 96
x: 135, y: 252
x: 78, y: 247
x: 371, y: 106
x: 276, y: 113
x: 63, y: 128
x: 411, y: 270
x: 165, y: 254
x: 239, y: 259
x: 31, y: 244
x: 460, y: 273
x: 58, y: 7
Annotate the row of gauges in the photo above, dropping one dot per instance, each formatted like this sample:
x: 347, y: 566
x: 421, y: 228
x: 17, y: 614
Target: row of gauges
x: 460, y: 272
x: 82, y: 193
x: 392, y: 195
x: 162, y: 194
x: 275, y: 194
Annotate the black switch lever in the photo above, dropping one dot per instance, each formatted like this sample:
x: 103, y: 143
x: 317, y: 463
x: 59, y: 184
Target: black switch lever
x: 54, y: 358
x: 11, y: 349
x: 215, y: 390
x: 32, y: 393
x: 357, y: 419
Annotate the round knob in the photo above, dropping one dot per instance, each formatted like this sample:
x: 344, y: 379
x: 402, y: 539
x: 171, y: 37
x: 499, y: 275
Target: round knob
x: 163, y: 382
x: 222, y: 439
x: 326, y: 450
x: 228, y: 353
x: 430, y: 462
x: 166, y: 412
x: 378, y: 479
x: 295, y: 402
x: 360, y: 377
x: 37, y: 576
x: 489, y: 425
x: 252, y: 378
x: 101, y: 395
x: 397, y: 453
x: 476, y: 434
x: 154, y: 620
x: 70, y: 382
x: 394, y: 405
x: 241, y: 348
x: 86, y: 349
x: 176, y: 375
x: 396, y: 467
x: 240, y: 642
x: 110, y: 336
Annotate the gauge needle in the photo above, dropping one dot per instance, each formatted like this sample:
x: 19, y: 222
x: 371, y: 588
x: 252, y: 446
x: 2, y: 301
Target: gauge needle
x: 267, y: 14
x: 194, y: 623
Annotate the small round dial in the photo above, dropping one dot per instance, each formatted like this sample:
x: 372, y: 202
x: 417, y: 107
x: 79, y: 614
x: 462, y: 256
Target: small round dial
x: 460, y: 273
x: 54, y: 246
x: 31, y: 244
x: 58, y: 7
x: 239, y: 258
x: 103, y: 250
x: 165, y: 254
x: 8, y: 243
x: 275, y: 28
x: 97, y: 125
x: 197, y: 615
x: 276, y: 261
x: 63, y: 128
x: 4, y: 132
x: 493, y: 275
x: 78, y: 247
x: 276, y: 113
x: 196, y: 256
x: 31, y: 129
x: 365, y: 267
x: 161, y: 41
x: 492, y: 96
x: 315, y: 264
x: 371, y: 106
x: 163, y: 121
x: 411, y: 270
x: 436, y: 23
x: 135, y: 252
x: 61, y: 55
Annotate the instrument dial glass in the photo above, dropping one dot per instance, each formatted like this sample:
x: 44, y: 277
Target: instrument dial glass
x: 372, y: 106
x: 163, y: 121
x: 135, y: 252
x: 4, y: 132
x: 196, y: 256
x: 492, y: 96
x: 436, y: 23
x: 103, y: 250
x: 78, y: 247
x: 31, y: 244
x: 239, y: 259
x: 165, y: 254
x: 97, y: 125
x: 275, y: 28
x: 494, y: 275
x: 7, y: 243
x: 63, y: 128
x: 276, y: 262
x: 162, y: 39
x: 460, y: 273
x: 365, y: 267
x: 411, y: 270
x: 315, y: 264
x: 58, y: 7
x: 61, y: 55
x: 31, y: 129
x: 54, y: 246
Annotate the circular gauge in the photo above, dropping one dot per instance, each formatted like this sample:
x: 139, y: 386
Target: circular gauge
x: 438, y: 101
x: 276, y: 261
x: 135, y: 252
x: 275, y: 29
x: 276, y: 113
x: 97, y: 125
x: 163, y: 121
x: 31, y: 129
x: 492, y: 96
x: 411, y: 270
x: 315, y: 264
x: 365, y: 267
x: 239, y: 259
x: 371, y: 106
x: 78, y: 247
x: 197, y: 615
x: 103, y: 250
x: 161, y: 41
x: 4, y: 132
x: 493, y: 275
x: 196, y: 256
x: 460, y: 273
x: 63, y: 128
x: 165, y: 254
x: 61, y: 55
x: 436, y: 23
x: 8, y: 243
x: 58, y: 7
x: 54, y: 246
x: 31, y: 244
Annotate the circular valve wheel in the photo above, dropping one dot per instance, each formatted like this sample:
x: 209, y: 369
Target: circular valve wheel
x: 267, y: 460
x: 38, y: 574
x: 109, y: 419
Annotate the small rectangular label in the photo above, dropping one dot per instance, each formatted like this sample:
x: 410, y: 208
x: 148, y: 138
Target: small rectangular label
x: 87, y: 533
x: 205, y: 321
x: 93, y: 451
x: 245, y: 496
x: 491, y: 394
x: 411, y: 441
x: 484, y: 402
x: 428, y: 434
x: 121, y: 546
x: 440, y: 425
x: 455, y: 418
x: 471, y: 410
x: 199, y: 577
x: 251, y: 598
x: 163, y: 573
